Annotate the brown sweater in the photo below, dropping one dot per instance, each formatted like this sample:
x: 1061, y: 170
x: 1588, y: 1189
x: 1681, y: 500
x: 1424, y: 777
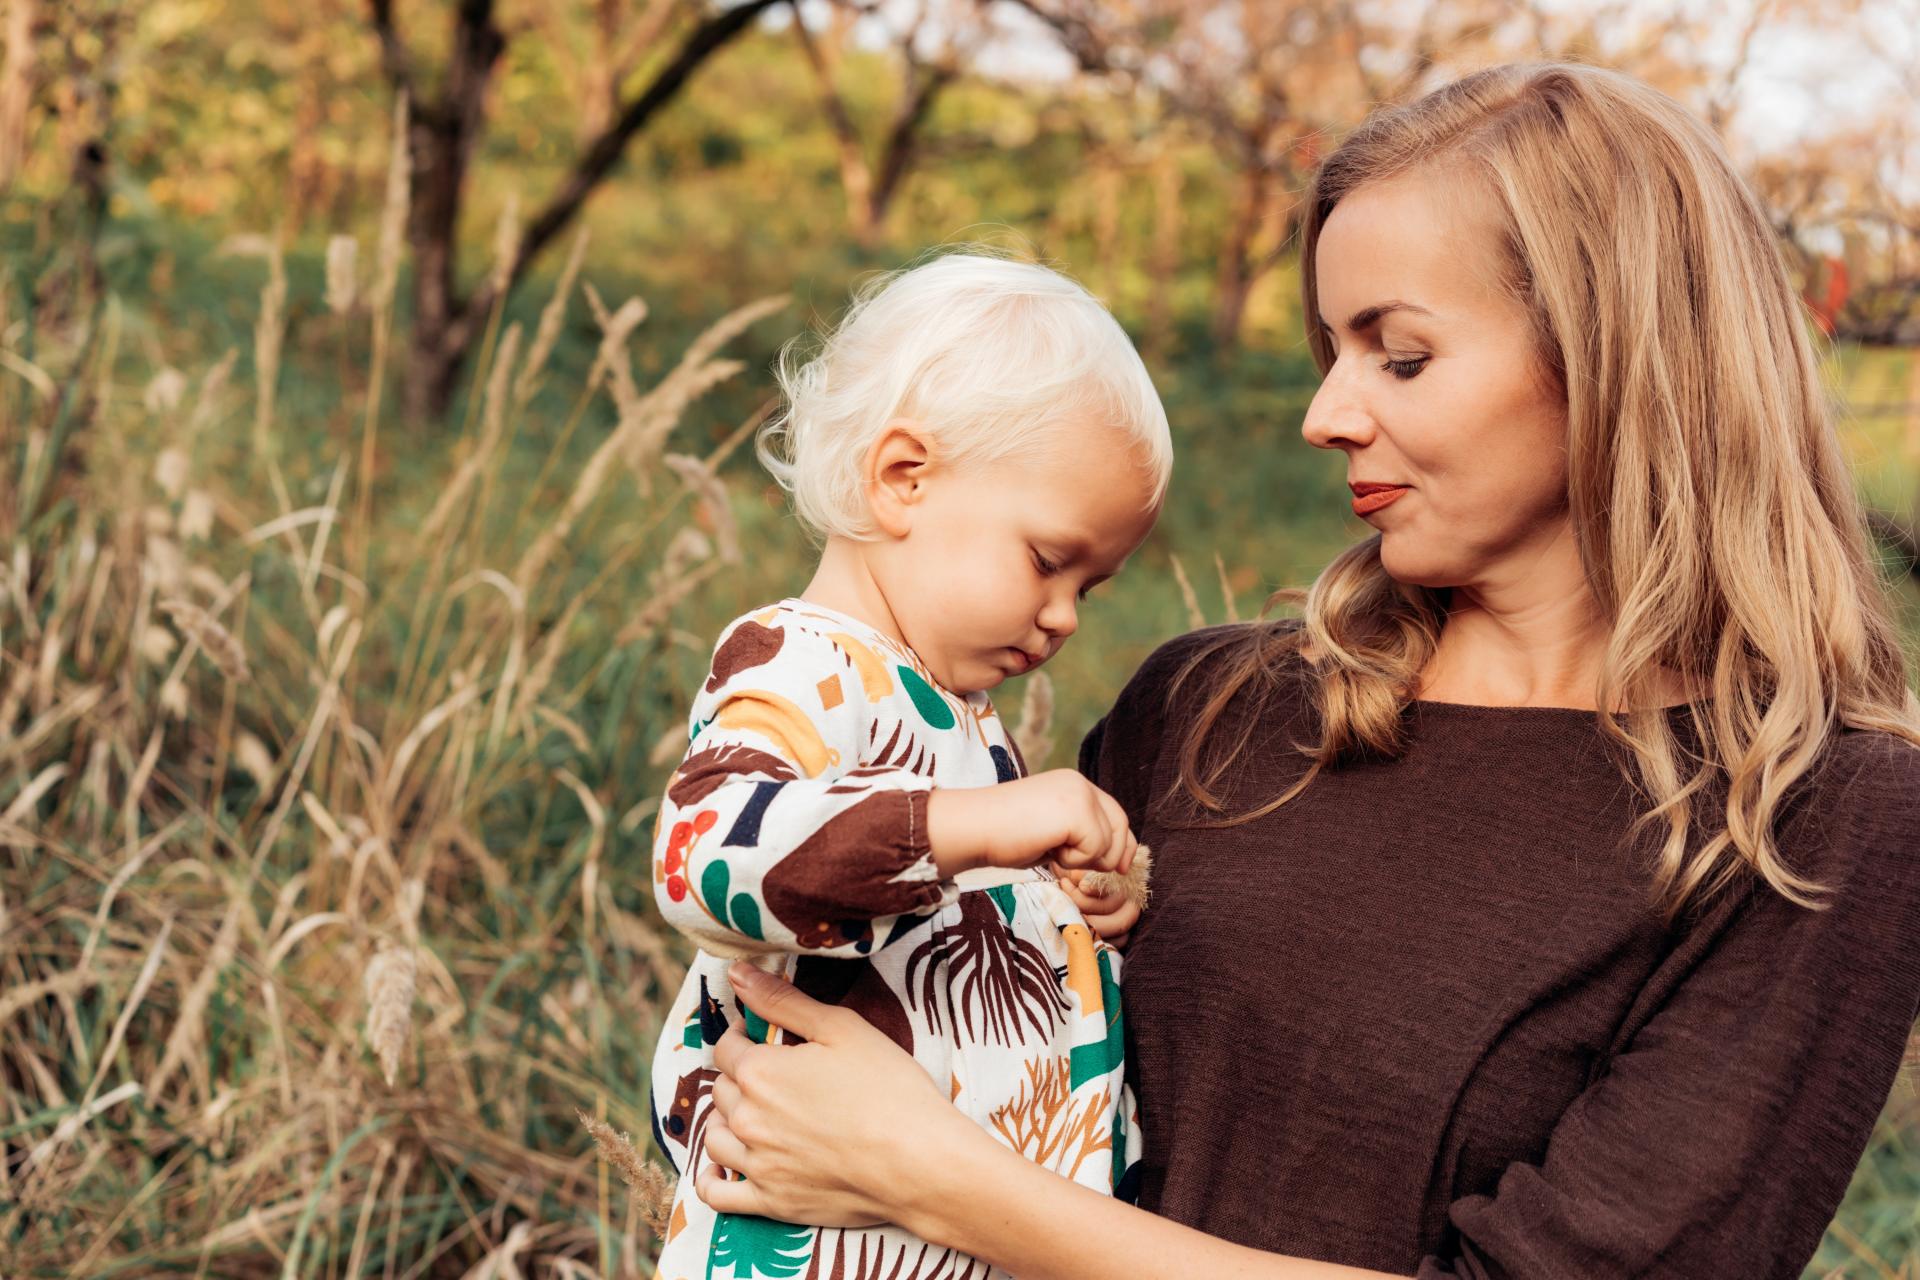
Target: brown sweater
x: 1422, y: 1019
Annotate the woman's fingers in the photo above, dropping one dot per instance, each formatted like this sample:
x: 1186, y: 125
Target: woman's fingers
x: 781, y: 1003
x: 725, y: 1196
x: 726, y: 1096
x: 724, y: 1148
x: 732, y: 1047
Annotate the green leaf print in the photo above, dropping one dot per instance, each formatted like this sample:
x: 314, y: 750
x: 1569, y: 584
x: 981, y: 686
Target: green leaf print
x: 932, y: 707
x: 746, y: 916
x: 713, y: 888
x: 1002, y: 895
x: 758, y: 1247
x: 1096, y: 1059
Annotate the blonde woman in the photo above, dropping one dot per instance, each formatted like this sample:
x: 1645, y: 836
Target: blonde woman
x: 1548, y: 903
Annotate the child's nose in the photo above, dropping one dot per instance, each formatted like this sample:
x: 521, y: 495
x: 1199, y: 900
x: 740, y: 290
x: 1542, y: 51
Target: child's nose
x: 1059, y: 618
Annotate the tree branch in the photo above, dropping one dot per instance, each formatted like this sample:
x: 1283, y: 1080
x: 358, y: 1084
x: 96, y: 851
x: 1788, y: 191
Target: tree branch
x: 605, y: 151
x: 395, y: 62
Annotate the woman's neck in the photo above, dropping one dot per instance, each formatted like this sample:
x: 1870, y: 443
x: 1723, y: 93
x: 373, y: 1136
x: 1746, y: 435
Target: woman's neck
x: 1525, y: 635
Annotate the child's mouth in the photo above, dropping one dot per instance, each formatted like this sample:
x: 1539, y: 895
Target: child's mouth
x: 1026, y: 661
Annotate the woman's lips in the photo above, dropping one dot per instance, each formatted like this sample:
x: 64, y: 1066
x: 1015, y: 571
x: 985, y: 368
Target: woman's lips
x: 1369, y: 498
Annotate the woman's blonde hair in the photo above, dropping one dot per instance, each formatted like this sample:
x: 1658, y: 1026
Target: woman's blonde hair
x: 1714, y: 512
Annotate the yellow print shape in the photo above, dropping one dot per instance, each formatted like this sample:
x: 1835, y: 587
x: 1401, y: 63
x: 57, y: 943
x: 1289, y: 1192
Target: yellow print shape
x: 875, y: 681
x: 786, y: 726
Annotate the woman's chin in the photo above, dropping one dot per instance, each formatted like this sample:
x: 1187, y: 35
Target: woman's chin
x: 1410, y: 569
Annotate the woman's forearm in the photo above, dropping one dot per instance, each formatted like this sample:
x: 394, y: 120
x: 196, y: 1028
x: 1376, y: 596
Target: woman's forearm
x: 992, y: 1204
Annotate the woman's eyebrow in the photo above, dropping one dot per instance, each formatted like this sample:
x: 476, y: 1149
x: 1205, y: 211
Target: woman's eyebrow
x: 1367, y: 317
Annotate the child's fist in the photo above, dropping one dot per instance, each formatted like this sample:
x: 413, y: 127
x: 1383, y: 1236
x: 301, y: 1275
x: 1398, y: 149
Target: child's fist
x: 1057, y: 814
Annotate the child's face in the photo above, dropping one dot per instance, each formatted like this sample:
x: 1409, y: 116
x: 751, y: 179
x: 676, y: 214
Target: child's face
x: 986, y: 581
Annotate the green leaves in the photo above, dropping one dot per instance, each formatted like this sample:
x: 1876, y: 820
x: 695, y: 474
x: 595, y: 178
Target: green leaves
x: 753, y: 1248
x: 742, y: 913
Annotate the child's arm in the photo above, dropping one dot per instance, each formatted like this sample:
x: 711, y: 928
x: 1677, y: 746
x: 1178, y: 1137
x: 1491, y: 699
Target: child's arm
x: 771, y: 839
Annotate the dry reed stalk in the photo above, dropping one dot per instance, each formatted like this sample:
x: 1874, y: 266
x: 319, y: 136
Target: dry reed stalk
x: 650, y: 1186
x: 1135, y: 884
x: 654, y: 615
x: 206, y: 405
x: 1034, y: 734
x: 386, y: 277
x: 1226, y: 588
x: 389, y: 983
x: 203, y: 629
x: 552, y: 317
x: 1195, y: 618
x: 712, y: 506
x: 343, y: 253
x: 493, y: 422
x: 164, y: 391
x: 506, y: 244
x: 688, y: 548
x: 612, y: 356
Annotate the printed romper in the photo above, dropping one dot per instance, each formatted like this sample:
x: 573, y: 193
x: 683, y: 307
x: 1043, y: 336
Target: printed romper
x: 796, y: 829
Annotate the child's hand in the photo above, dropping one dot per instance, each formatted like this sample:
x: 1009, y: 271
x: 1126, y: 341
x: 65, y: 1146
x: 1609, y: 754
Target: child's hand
x: 1111, y: 914
x: 1057, y: 814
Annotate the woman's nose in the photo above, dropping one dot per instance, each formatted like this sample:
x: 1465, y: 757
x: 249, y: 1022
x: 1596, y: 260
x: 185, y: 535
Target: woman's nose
x: 1337, y: 417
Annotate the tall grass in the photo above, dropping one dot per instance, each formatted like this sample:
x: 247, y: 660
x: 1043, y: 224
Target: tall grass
x: 324, y: 913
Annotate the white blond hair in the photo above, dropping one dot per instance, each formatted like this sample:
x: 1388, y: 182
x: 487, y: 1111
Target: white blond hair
x: 985, y: 354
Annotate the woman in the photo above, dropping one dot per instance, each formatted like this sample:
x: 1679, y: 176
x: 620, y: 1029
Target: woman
x: 1546, y: 904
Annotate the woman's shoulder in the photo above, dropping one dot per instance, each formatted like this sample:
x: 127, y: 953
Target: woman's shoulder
x: 1871, y: 777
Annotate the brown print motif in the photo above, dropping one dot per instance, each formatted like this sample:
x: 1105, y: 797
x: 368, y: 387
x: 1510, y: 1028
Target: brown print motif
x: 979, y: 965
x: 751, y: 645
x: 874, y: 1261
x: 853, y: 984
x: 686, y: 1120
x: 833, y: 884
x: 705, y: 772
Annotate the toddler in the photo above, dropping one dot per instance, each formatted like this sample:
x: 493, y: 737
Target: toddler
x: 977, y: 445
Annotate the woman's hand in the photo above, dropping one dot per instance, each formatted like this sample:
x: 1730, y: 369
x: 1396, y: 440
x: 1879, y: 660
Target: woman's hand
x: 833, y: 1132
x: 1112, y: 915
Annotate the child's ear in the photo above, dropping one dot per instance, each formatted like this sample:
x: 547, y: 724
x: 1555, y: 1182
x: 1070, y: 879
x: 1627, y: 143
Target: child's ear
x: 896, y: 475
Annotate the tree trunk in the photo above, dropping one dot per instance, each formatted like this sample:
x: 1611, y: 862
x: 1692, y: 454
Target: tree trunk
x: 1167, y: 232
x: 441, y: 134
x: 1236, y: 275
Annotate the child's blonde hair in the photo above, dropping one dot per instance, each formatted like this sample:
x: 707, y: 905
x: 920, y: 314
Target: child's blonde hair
x: 985, y: 353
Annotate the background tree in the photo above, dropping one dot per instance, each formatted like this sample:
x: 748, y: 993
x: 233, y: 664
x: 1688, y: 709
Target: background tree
x: 445, y: 122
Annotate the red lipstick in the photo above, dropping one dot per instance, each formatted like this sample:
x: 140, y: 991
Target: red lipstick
x: 1369, y: 498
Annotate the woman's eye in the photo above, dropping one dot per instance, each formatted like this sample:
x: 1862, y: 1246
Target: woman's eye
x: 1407, y: 368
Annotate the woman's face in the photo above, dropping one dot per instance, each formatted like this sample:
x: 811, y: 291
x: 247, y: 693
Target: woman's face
x: 1454, y: 435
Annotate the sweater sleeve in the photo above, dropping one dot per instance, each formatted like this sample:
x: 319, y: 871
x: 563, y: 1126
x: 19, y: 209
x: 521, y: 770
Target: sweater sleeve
x: 771, y: 837
x: 1720, y: 1139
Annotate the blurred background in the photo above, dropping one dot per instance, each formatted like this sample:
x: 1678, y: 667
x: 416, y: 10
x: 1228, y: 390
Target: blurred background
x: 377, y: 381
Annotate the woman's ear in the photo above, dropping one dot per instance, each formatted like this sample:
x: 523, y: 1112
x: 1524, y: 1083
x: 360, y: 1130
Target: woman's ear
x: 896, y: 475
